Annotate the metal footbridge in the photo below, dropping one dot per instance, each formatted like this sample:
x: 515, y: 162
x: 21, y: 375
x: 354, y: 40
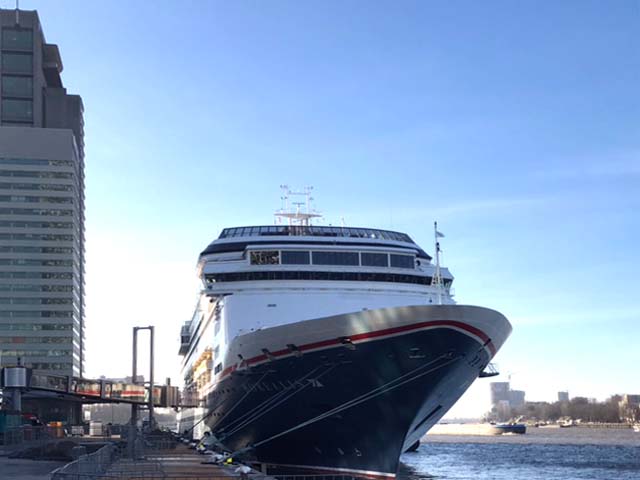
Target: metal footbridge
x: 22, y: 383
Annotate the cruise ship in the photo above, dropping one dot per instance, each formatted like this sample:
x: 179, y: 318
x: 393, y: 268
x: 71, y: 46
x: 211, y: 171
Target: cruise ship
x: 323, y: 349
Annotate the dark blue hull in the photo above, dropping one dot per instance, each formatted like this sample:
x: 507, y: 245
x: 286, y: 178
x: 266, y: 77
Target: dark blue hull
x: 349, y: 408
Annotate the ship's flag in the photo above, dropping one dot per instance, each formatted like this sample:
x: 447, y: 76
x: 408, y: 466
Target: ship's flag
x: 439, y: 234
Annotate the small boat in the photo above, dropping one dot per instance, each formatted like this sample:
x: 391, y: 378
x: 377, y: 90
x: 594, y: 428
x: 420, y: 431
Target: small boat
x: 502, y: 428
x: 636, y: 428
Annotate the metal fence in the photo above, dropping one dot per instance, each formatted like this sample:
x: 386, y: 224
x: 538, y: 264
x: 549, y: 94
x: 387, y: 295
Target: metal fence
x: 153, y: 459
x: 87, y: 466
x: 28, y: 436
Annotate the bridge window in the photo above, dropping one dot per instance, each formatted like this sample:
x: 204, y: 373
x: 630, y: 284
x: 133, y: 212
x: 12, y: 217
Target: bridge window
x: 335, y: 258
x: 402, y: 261
x: 265, y: 257
x: 295, y: 257
x: 374, y: 259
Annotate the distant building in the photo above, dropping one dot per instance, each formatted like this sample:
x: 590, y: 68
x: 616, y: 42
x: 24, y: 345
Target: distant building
x: 499, y: 392
x: 516, y: 398
x: 503, y: 409
x: 629, y: 408
x: 563, y: 396
x: 633, y: 400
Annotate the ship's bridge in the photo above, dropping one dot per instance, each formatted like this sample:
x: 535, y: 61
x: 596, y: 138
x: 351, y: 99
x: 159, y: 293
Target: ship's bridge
x: 307, y: 252
x: 239, y: 238
x: 314, y: 231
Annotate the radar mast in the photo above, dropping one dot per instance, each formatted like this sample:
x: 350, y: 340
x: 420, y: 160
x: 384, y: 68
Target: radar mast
x: 296, y: 213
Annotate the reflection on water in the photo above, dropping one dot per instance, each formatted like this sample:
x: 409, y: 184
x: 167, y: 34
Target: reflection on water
x: 541, y: 454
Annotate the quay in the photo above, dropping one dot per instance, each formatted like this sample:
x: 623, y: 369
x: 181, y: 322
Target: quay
x: 154, y: 460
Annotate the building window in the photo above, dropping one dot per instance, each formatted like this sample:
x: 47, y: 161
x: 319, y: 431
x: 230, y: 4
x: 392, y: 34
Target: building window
x: 35, y: 161
x: 336, y: 258
x: 265, y: 258
x: 17, y: 63
x: 19, y: 110
x: 13, y: 86
x: 374, y: 259
x: 293, y: 257
x: 402, y: 261
x: 17, y: 39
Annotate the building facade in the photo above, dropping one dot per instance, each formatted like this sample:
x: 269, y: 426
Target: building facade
x: 630, y: 408
x: 41, y: 204
x: 499, y: 392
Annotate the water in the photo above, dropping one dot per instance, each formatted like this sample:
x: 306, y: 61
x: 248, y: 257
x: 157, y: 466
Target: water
x: 540, y: 454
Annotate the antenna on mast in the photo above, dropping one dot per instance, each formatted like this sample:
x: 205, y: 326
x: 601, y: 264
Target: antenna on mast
x: 297, y: 213
x: 436, y: 281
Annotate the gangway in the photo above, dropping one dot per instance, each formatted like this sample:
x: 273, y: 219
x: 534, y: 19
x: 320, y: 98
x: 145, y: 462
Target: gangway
x: 28, y: 384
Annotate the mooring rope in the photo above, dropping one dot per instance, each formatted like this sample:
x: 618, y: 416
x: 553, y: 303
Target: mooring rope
x: 273, y: 398
x: 213, y: 409
x: 358, y: 400
x: 264, y: 412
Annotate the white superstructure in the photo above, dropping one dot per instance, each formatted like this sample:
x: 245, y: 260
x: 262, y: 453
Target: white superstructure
x: 310, y: 343
x: 259, y: 277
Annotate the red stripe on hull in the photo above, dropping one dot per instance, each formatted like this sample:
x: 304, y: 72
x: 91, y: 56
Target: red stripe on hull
x: 337, y: 471
x: 370, y: 335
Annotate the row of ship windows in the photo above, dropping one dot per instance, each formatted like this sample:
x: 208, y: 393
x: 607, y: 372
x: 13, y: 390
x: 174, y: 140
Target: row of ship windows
x: 45, y: 212
x: 355, y: 259
x: 312, y: 230
x: 36, y: 340
x: 35, y: 161
x: 34, y: 199
x: 36, y: 327
x: 303, y: 275
x: 29, y: 174
x: 31, y: 314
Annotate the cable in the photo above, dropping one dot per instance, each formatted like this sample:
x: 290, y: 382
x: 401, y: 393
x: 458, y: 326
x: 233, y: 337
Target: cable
x: 351, y: 403
x: 248, y: 421
x: 213, y: 409
x: 273, y: 398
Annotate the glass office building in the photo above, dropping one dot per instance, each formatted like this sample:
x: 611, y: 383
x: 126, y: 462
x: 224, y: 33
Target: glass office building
x: 41, y: 204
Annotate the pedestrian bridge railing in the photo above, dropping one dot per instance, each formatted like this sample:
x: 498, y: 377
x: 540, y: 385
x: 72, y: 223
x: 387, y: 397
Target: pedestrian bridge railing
x: 101, y: 390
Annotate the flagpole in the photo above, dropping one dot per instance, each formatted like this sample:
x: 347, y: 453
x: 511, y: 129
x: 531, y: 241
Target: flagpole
x: 437, y: 280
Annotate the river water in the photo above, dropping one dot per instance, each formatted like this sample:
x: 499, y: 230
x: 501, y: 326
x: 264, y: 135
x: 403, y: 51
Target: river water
x: 540, y: 454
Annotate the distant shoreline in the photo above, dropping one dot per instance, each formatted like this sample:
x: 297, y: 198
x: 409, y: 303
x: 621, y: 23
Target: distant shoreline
x: 593, y: 434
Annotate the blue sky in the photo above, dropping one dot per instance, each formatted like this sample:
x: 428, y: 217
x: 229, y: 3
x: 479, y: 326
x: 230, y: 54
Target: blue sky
x: 516, y: 125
